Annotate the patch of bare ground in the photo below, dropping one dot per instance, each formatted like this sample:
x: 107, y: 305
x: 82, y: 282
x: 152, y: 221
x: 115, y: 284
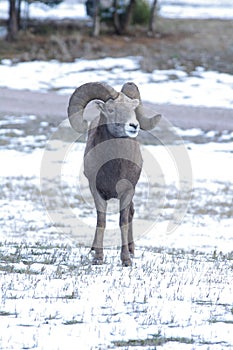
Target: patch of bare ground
x: 177, y: 43
x: 53, y: 108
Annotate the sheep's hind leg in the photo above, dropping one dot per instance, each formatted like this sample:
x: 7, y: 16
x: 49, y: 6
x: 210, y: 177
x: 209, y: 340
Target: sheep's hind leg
x: 97, y: 245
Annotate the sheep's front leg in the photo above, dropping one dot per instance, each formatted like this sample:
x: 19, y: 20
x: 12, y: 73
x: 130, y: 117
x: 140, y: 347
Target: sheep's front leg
x: 130, y: 232
x: 97, y: 245
x: 124, y: 225
x: 125, y: 192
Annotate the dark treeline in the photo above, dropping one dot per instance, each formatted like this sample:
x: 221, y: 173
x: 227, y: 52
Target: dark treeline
x: 119, y: 14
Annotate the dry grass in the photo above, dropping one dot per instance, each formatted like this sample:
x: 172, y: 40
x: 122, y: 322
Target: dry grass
x: 177, y: 43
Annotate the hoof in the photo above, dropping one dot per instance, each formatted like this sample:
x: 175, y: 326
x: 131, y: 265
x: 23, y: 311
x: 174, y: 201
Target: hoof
x: 131, y: 248
x: 97, y: 261
x: 97, y: 256
x: 127, y: 263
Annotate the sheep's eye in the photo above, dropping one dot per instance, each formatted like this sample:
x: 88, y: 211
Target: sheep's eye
x: 111, y: 110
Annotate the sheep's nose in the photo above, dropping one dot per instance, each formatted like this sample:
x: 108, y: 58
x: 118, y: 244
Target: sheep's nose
x: 135, y: 126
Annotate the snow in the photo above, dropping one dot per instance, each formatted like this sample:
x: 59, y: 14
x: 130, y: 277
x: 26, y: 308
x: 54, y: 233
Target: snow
x: 163, y: 163
x: 50, y: 294
x: 18, y: 163
x: 192, y: 9
x: 42, y: 11
x: 175, y: 9
x: 93, y: 307
x: 199, y: 88
x: 206, y: 177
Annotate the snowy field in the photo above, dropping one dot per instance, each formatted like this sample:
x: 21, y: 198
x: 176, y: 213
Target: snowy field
x: 200, y: 87
x: 170, y: 8
x: 179, y: 292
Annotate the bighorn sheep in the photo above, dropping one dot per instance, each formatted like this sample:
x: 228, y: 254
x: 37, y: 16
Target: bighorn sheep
x: 112, y: 158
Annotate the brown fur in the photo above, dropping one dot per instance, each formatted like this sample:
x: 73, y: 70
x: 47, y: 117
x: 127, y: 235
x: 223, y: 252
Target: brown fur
x: 112, y: 159
x: 116, y: 178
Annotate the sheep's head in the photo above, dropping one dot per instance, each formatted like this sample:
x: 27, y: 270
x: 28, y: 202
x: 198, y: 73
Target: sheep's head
x: 119, y: 116
x: 123, y: 112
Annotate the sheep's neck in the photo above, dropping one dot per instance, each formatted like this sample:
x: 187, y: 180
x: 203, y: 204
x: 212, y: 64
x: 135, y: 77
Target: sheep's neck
x: 102, y: 133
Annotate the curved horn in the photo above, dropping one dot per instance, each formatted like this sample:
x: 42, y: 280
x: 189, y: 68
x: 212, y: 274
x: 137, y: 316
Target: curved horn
x: 82, y: 96
x: 131, y: 90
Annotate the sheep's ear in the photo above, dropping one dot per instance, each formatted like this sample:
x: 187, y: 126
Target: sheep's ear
x: 100, y: 105
x: 135, y: 103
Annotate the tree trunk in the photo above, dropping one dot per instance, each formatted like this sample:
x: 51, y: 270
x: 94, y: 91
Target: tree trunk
x: 96, y: 19
x: 152, y: 21
x: 121, y: 23
x: 13, y: 26
x: 116, y: 18
x: 129, y: 14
